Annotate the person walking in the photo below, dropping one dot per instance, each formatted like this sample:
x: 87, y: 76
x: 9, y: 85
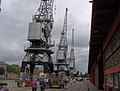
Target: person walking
x: 42, y: 84
x: 3, y: 87
x: 34, y: 85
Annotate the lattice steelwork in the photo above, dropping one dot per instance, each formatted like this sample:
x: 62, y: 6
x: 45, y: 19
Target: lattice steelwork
x: 38, y: 52
x: 63, y: 47
x: 72, y: 56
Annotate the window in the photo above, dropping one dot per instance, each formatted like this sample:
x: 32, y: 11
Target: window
x: 116, y: 80
x: 109, y: 80
x: 119, y: 80
x: 113, y: 45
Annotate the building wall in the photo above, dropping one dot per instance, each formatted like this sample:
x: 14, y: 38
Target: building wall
x: 100, y: 73
x: 112, y: 69
x: 111, y: 53
x: 97, y: 73
x: 92, y: 77
x: 96, y: 76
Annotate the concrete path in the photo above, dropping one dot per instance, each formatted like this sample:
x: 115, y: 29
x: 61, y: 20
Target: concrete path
x: 83, y: 86
x: 88, y: 86
x: 78, y: 86
x: 92, y: 87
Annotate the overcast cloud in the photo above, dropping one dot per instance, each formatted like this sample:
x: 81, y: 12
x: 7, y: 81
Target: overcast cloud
x: 16, y: 15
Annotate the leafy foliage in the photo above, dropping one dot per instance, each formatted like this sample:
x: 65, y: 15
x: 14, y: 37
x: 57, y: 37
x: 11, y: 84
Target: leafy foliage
x: 13, y: 68
x: 80, y: 74
x: 2, y: 71
x: 83, y: 75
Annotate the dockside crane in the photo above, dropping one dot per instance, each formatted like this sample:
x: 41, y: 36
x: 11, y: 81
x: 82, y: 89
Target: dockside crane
x: 60, y: 72
x: 0, y: 5
x: 38, y: 51
x: 72, y: 56
x: 63, y: 47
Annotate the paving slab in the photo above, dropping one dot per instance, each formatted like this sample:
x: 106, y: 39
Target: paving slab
x: 93, y: 87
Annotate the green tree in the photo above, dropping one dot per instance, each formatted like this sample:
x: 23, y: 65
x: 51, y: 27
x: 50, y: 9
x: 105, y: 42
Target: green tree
x: 2, y: 71
x: 77, y: 74
x: 86, y: 74
x: 81, y: 75
x: 13, y: 68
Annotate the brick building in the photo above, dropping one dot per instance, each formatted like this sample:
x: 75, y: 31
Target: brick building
x: 104, y: 52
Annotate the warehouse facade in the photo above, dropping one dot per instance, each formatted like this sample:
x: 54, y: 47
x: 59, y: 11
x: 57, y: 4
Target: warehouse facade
x: 104, y: 53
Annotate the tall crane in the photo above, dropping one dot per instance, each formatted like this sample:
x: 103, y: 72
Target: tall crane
x: 61, y: 67
x: 0, y: 5
x: 38, y: 51
x: 63, y: 47
x: 72, y: 56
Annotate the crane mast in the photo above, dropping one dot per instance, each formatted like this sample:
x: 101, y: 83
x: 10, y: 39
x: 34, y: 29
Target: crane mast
x: 38, y: 51
x: 72, y: 56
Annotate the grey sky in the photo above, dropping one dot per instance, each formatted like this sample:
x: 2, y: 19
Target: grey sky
x: 16, y: 15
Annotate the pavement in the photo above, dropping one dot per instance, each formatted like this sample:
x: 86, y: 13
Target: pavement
x: 81, y: 86
x: 20, y: 89
x: 93, y: 87
x: 88, y: 86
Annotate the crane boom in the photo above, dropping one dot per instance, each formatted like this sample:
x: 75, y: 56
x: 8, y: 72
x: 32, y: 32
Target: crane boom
x: 63, y: 39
